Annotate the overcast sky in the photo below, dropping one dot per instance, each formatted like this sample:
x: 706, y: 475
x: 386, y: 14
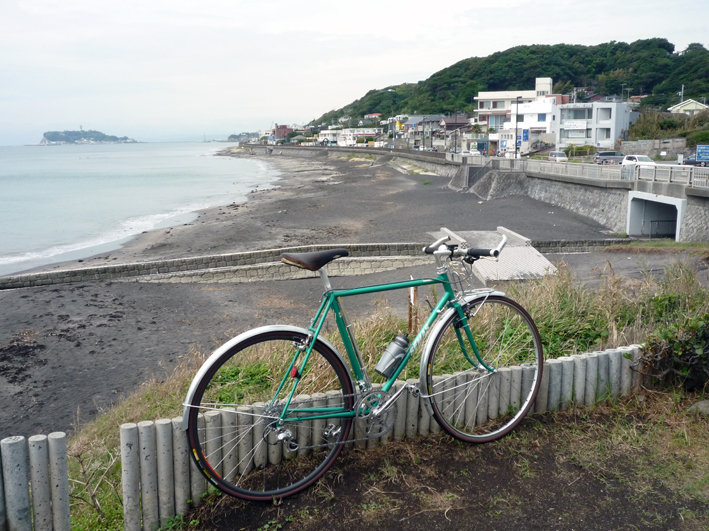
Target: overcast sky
x: 170, y: 70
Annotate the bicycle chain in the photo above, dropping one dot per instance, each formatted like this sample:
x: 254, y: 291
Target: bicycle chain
x: 389, y: 415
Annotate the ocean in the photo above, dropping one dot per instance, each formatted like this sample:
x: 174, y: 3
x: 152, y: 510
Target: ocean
x: 68, y: 202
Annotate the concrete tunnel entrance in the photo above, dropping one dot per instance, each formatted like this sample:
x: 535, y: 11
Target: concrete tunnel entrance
x: 655, y: 216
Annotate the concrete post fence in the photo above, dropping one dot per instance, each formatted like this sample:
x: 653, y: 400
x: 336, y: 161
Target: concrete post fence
x: 34, y: 483
x: 583, y: 380
x: 160, y: 481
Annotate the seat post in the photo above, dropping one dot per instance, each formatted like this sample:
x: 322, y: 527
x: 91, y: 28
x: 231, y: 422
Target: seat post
x: 325, y: 279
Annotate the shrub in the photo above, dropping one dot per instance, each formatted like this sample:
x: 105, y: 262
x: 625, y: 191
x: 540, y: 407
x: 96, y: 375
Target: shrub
x: 679, y: 353
x: 697, y: 137
x: 580, y: 151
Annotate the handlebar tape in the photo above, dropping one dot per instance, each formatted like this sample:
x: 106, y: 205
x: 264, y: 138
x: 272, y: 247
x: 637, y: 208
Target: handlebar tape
x: 483, y: 252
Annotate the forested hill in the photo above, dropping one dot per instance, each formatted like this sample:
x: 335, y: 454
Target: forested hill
x: 649, y: 66
x: 83, y: 137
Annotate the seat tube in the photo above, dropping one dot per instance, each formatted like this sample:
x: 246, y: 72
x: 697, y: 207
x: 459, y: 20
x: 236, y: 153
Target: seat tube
x: 353, y: 353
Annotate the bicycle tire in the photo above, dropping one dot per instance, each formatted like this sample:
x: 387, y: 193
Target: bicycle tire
x: 232, y: 431
x: 483, y: 403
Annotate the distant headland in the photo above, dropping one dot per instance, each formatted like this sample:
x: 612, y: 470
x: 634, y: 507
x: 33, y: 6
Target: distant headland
x: 82, y: 137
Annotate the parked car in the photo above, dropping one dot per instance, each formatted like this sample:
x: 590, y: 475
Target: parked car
x: 471, y: 152
x: 692, y: 161
x: 608, y: 157
x: 558, y: 156
x: 637, y: 160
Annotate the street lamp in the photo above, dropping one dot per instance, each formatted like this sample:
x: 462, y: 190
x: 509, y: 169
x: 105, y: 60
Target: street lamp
x: 516, y: 122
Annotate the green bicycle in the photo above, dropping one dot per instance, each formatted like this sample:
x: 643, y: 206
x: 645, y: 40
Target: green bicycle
x: 270, y: 410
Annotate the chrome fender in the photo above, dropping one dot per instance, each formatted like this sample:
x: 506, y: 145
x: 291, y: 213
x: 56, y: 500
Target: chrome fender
x: 230, y: 344
x: 433, y: 334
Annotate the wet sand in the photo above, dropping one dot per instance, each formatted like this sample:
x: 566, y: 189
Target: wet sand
x: 69, y: 351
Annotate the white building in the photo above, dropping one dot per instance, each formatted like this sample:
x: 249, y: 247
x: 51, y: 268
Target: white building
x: 347, y: 137
x: 495, y: 110
x: 599, y: 124
x: 535, y: 124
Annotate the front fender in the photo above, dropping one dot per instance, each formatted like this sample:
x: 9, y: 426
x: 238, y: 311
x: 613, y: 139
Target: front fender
x: 230, y: 344
x: 437, y: 329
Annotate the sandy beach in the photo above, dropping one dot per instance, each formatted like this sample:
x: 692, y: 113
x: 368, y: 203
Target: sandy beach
x: 68, y: 351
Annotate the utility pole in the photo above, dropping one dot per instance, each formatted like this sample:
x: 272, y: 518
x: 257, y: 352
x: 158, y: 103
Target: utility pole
x: 516, y: 122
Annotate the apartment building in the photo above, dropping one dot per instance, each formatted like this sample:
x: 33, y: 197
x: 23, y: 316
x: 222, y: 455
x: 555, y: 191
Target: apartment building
x: 601, y: 124
x: 493, y: 109
x: 497, y: 113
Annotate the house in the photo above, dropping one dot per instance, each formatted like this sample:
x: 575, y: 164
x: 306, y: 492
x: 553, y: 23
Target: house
x: 601, y: 123
x: 689, y: 107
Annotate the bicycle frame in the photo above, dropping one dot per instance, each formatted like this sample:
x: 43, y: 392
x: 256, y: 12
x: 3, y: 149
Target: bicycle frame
x: 331, y: 302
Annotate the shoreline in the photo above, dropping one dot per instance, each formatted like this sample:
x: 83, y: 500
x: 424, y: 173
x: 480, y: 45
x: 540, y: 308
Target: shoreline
x: 109, y: 239
x: 193, y: 238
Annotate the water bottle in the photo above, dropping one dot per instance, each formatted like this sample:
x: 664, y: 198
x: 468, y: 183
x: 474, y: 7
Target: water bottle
x: 394, y: 353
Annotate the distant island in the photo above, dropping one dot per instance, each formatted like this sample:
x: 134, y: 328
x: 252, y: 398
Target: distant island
x: 82, y: 137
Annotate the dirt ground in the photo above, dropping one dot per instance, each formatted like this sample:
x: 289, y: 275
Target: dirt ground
x: 571, y: 470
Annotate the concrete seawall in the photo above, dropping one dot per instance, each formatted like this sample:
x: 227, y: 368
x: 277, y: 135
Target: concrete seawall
x: 265, y: 265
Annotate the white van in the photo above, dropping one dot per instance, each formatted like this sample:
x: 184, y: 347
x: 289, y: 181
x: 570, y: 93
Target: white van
x: 558, y: 156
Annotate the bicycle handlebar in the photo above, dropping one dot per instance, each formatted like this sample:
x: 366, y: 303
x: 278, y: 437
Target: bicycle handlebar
x: 455, y: 251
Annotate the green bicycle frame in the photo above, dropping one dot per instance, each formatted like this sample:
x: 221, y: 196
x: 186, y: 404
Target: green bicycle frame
x: 331, y: 302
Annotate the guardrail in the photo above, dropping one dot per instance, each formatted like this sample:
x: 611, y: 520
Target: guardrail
x: 692, y: 176
x: 588, y: 171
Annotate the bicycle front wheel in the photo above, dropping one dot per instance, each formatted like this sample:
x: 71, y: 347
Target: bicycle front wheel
x: 244, y: 438
x: 480, y: 391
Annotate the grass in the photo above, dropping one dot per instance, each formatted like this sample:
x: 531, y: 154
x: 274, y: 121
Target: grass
x: 666, y: 442
x: 642, y: 461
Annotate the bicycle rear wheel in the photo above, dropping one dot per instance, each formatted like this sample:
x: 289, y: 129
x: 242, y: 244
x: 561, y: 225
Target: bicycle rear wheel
x: 235, y: 430
x: 480, y: 398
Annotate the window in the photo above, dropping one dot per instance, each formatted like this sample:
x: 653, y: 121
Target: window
x: 605, y: 114
x: 542, y: 117
x: 575, y: 114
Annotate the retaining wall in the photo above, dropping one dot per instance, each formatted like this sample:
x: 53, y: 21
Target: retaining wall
x: 265, y: 265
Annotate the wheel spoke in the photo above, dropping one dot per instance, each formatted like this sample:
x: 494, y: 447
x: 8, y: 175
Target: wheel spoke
x: 240, y: 434
x: 476, y: 404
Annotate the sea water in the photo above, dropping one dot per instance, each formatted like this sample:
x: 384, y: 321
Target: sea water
x: 68, y: 202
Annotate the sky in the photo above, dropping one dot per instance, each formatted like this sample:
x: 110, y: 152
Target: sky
x: 164, y: 70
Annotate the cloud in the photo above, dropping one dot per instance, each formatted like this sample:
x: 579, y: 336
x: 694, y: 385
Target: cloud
x: 162, y: 67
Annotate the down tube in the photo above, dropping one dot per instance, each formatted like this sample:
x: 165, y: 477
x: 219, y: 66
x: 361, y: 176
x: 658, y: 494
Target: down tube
x: 417, y: 340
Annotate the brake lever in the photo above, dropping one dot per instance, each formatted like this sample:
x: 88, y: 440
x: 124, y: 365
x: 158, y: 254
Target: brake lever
x: 434, y: 246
